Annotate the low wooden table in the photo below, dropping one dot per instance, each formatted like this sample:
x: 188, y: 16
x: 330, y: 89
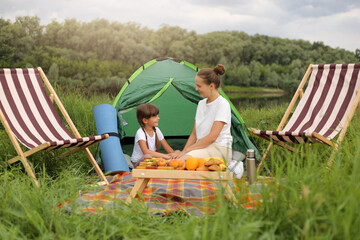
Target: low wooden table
x: 144, y: 175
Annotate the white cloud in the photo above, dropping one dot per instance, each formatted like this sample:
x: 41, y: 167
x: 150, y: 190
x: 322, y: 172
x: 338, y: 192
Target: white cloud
x: 338, y: 30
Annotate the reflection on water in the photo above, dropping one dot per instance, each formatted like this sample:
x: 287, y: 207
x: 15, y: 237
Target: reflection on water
x: 260, y: 102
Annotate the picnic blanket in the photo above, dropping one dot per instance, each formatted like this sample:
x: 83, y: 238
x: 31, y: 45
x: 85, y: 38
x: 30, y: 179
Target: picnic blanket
x: 164, y: 195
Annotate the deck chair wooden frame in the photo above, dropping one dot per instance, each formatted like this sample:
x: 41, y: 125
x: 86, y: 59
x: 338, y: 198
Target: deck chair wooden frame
x: 335, y: 79
x: 144, y: 175
x: 21, y: 79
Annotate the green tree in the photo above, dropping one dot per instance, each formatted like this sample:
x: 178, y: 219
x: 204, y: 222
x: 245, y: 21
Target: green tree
x: 256, y: 74
x: 7, y: 50
x: 53, y: 73
x: 102, y: 53
x: 163, y: 38
x: 357, y: 54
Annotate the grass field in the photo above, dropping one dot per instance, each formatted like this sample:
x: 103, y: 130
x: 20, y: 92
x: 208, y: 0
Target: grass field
x: 309, y: 202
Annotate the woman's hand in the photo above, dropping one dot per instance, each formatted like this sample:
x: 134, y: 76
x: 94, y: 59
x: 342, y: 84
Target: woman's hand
x: 173, y: 154
x: 178, y: 154
x: 167, y: 156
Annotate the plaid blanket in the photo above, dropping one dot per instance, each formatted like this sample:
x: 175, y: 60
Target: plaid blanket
x: 165, y: 195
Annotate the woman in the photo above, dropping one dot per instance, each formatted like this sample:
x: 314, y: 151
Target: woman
x: 211, y: 135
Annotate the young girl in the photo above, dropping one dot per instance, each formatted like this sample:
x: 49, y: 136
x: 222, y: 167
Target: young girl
x: 149, y: 137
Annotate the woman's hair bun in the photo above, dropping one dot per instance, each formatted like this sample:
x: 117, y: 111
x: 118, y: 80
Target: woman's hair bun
x: 219, y: 69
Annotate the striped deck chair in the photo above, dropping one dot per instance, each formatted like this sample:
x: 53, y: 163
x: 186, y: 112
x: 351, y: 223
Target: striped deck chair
x: 29, y: 117
x: 325, y: 109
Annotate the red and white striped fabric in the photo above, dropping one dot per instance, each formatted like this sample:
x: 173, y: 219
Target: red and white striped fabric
x: 32, y: 117
x: 324, y: 106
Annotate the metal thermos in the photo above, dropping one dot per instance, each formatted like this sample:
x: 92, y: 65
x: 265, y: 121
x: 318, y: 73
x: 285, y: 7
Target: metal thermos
x: 250, y: 166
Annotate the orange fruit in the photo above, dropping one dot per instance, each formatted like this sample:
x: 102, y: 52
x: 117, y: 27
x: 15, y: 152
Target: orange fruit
x: 173, y: 163
x: 180, y: 162
x: 201, y: 161
x: 191, y: 163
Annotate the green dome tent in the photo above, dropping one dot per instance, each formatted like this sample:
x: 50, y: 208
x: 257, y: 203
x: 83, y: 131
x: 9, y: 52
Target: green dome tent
x: 170, y: 85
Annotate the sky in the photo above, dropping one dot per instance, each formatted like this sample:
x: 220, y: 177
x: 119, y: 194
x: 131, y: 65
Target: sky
x: 335, y: 23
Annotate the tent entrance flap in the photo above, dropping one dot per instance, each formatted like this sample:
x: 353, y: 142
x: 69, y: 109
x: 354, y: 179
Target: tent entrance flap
x: 176, y: 114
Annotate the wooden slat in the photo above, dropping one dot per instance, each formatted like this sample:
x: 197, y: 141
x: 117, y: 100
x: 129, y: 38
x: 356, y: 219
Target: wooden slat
x: 139, y: 187
x: 51, y: 96
x: 301, y: 93
x: 181, y: 174
x: 95, y: 165
x: 30, y: 152
x: 18, y: 149
x: 322, y: 138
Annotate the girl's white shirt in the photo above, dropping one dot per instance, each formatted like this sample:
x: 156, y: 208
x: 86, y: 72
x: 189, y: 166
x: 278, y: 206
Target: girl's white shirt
x: 137, y: 154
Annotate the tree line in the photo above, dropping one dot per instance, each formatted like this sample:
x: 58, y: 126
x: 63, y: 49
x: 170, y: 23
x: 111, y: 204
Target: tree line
x: 101, y: 55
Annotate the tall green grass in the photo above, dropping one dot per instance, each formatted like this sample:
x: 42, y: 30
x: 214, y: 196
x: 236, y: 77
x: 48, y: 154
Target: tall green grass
x: 305, y: 201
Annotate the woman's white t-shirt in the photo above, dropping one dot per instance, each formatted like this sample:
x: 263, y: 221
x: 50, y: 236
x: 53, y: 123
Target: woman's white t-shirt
x: 208, y: 113
x: 137, y: 154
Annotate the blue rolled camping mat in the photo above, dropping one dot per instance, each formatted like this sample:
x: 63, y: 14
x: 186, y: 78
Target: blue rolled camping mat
x: 111, y: 151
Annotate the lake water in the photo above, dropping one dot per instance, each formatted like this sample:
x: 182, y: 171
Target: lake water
x: 260, y: 102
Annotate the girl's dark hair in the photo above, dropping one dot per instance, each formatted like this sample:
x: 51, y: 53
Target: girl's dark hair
x: 146, y: 110
x: 212, y: 75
